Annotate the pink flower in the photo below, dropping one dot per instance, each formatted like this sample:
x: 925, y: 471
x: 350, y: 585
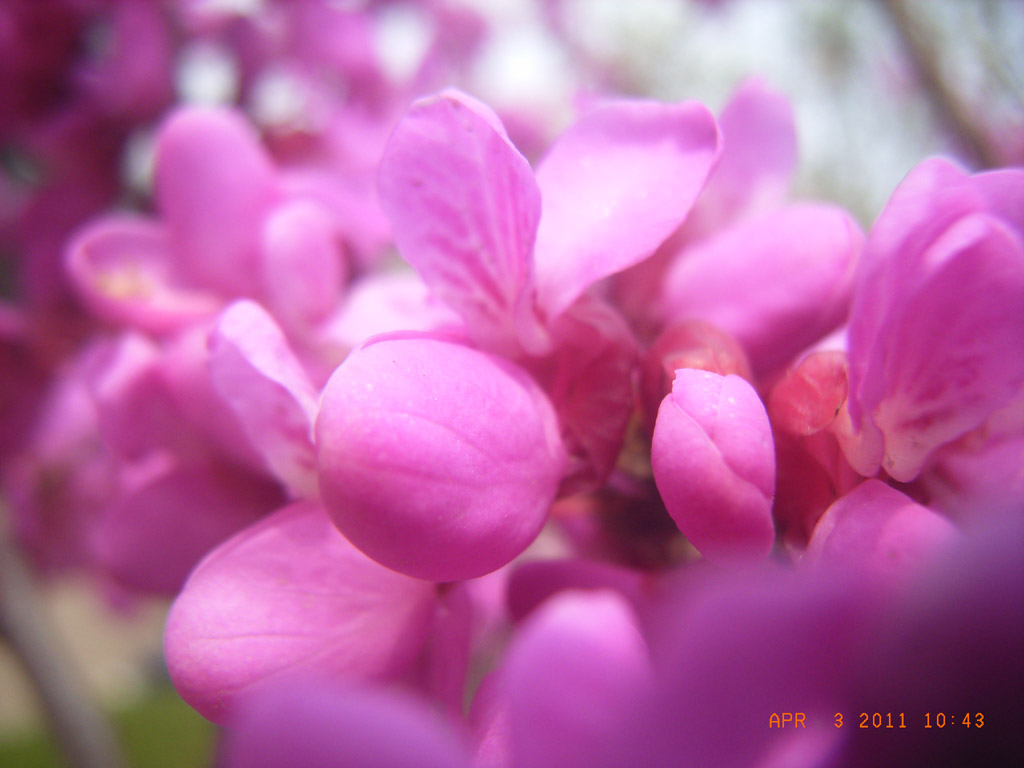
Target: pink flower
x: 934, y: 336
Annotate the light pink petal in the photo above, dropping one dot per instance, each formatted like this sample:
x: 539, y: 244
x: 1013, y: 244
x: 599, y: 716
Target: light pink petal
x: 576, y: 669
x: 383, y: 302
x: 950, y: 353
x: 214, y: 185
x: 134, y: 405
x: 464, y: 207
x: 929, y: 200
x: 436, y: 459
x: 777, y: 282
x: 185, y: 366
x: 290, y: 595
x: 257, y: 375
x: 302, y: 263
x: 614, y: 186
x: 589, y: 378
x: 877, y: 529
x: 1003, y: 191
x: 714, y: 464
x: 169, y: 515
x: 759, y: 152
x: 981, y: 475
x: 315, y: 723
x: 125, y: 271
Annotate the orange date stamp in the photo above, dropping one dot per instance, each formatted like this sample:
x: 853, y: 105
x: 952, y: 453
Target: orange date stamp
x: 885, y: 720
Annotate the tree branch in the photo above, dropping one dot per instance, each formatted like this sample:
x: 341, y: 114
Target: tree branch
x: 83, y: 734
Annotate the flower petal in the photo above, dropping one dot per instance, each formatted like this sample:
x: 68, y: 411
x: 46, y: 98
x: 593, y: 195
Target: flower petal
x: 879, y: 530
x: 125, y: 271
x: 464, y: 208
x: 288, y: 595
x: 758, y: 158
x: 303, y: 265
x: 258, y: 376
x: 312, y: 722
x: 614, y: 186
x: 214, y: 184
x: 949, y: 351
x: 777, y: 282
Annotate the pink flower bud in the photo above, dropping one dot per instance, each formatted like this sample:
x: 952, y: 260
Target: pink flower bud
x: 714, y: 464
x: 436, y: 459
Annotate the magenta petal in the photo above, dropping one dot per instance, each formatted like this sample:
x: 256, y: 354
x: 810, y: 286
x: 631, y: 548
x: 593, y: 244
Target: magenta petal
x: 288, y: 595
x: 169, y: 516
x: 614, y: 186
x: 714, y: 464
x: 464, y: 207
x: 436, y: 459
x: 383, y: 302
x: 214, y: 184
x: 124, y: 270
x: 949, y: 353
x: 572, y: 677
x: 258, y: 376
x: 878, y: 529
x: 757, y: 162
x: 315, y: 724
x: 303, y: 264
x: 134, y: 404
x: 777, y: 283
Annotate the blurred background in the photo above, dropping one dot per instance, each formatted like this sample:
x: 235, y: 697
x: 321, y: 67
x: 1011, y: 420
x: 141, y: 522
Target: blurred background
x: 876, y: 86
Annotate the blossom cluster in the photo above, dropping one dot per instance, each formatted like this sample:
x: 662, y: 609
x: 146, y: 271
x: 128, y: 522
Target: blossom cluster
x: 452, y: 457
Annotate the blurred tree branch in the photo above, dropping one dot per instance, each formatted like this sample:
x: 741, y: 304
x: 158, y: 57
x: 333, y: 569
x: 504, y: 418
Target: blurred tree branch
x: 83, y: 734
x: 958, y: 114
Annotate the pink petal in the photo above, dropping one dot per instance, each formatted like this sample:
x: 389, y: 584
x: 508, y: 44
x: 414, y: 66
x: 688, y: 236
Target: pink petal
x: 257, y: 375
x: 980, y: 476
x: 167, y: 519
x: 383, y: 302
x: 125, y: 271
x: 435, y: 459
x: 572, y: 676
x: 614, y: 186
x: 464, y: 207
x: 302, y: 264
x: 879, y: 530
x: 714, y: 464
x: 758, y: 158
x: 777, y: 283
x: 134, y: 405
x: 214, y: 185
x: 929, y: 200
x: 315, y: 723
x: 290, y: 595
x: 950, y: 351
